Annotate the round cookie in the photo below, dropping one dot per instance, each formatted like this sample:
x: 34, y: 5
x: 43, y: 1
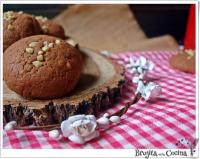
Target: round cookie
x: 184, y: 61
x: 49, y: 27
x: 42, y: 67
x: 18, y: 25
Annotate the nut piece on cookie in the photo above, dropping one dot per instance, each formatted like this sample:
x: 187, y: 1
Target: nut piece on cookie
x: 184, y: 61
x: 42, y: 74
x: 17, y: 25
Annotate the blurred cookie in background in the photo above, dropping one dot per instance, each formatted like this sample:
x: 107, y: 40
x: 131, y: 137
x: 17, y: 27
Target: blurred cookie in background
x: 18, y: 25
x: 184, y: 61
x: 50, y: 27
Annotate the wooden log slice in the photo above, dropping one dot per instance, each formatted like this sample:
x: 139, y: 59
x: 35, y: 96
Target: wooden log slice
x: 99, y: 87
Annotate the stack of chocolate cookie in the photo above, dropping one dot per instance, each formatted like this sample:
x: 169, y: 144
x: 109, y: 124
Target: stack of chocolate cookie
x: 38, y: 63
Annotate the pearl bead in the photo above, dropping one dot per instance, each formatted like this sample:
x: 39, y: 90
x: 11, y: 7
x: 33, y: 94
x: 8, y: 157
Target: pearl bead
x: 54, y: 134
x: 103, y: 121
x: 106, y: 115
x: 115, y: 119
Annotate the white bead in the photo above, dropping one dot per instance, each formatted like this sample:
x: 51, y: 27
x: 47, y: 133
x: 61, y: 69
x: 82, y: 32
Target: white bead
x: 106, y: 115
x: 103, y: 121
x: 54, y: 134
x: 115, y: 119
x: 8, y: 127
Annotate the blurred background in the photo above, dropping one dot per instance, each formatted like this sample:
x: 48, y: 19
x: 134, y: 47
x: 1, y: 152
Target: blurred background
x: 154, y: 19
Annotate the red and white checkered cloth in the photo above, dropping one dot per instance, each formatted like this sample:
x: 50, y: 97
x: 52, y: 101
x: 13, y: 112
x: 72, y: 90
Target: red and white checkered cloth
x: 158, y: 124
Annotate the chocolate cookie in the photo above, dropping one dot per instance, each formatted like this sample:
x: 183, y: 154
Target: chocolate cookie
x: 17, y: 25
x: 42, y: 67
x: 184, y: 61
x: 50, y: 27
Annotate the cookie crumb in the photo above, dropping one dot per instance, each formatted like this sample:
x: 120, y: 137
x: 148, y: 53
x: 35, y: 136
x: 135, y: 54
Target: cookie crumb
x: 29, y: 50
x: 37, y: 63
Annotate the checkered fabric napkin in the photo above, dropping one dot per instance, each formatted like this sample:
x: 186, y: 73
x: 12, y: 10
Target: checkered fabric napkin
x: 162, y: 123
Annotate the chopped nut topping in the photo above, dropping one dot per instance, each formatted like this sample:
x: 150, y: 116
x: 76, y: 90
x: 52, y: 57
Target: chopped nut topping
x: 8, y: 15
x: 50, y: 45
x: 43, y: 19
x: 57, y: 41
x: 10, y: 27
x: 29, y: 50
x: 40, y: 52
x: 38, y: 17
x: 33, y: 44
x: 45, y: 29
x: 37, y: 63
x: 45, y: 48
x: 45, y: 42
x: 40, y: 58
x: 8, y: 12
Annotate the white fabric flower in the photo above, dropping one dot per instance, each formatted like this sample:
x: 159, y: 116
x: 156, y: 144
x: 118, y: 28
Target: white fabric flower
x: 149, y: 91
x: 142, y: 65
x: 131, y: 63
x: 80, y: 128
x: 138, y: 78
